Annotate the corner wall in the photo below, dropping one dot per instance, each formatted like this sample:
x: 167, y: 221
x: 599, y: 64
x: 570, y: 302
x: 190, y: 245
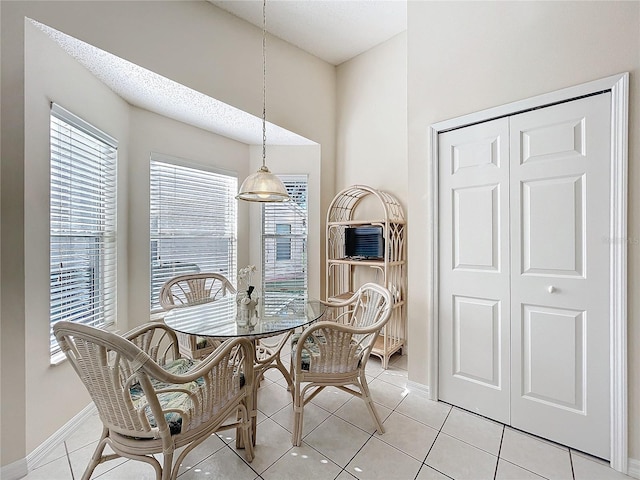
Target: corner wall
x: 291, y: 160
x: 372, y: 120
x: 153, y: 133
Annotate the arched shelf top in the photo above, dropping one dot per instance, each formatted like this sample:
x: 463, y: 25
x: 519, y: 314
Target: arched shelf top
x: 344, y: 204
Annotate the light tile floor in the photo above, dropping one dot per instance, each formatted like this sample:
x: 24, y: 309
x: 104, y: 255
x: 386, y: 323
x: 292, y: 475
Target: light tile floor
x: 424, y: 440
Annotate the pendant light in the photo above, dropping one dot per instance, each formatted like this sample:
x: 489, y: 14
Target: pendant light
x: 263, y: 186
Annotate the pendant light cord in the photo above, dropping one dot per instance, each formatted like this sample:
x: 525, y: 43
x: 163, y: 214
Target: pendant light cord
x: 264, y: 82
x: 263, y: 186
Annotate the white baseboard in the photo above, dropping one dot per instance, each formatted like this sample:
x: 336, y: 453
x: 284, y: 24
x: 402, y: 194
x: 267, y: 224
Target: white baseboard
x: 14, y: 470
x: 424, y: 389
x: 633, y: 468
x: 35, y: 458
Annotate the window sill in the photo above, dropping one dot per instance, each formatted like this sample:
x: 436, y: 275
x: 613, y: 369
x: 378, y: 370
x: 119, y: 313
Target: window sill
x: 57, y: 359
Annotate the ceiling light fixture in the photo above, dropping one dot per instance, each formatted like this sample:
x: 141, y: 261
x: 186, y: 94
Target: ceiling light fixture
x: 263, y: 186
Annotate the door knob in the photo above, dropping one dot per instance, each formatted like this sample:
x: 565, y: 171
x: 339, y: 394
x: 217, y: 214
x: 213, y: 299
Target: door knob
x: 551, y: 289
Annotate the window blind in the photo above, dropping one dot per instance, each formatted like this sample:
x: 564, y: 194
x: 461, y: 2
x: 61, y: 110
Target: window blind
x: 82, y: 223
x: 284, y: 247
x: 193, y: 214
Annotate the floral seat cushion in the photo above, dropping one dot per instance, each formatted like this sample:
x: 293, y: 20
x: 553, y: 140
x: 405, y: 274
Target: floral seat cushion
x: 311, y: 348
x: 169, y: 400
x: 176, y: 401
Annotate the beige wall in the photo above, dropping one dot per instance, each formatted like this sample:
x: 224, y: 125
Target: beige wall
x: 371, y: 122
x: 468, y: 56
x: 52, y: 75
x: 193, y: 43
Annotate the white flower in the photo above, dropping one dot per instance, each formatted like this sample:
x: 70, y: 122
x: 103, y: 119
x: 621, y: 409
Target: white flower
x: 245, y: 276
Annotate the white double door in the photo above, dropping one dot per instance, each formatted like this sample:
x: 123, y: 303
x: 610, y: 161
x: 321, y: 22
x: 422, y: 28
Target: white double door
x: 524, y: 271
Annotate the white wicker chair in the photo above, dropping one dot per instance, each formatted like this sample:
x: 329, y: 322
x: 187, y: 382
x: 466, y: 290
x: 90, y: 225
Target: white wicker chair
x: 193, y: 289
x: 335, y: 352
x: 150, y: 401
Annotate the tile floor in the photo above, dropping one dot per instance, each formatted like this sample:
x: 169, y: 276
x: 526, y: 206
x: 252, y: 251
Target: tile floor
x: 424, y: 440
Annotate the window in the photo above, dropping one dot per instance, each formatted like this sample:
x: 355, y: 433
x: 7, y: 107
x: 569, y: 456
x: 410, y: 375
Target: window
x: 283, y: 241
x: 193, y: 215
x: 284, y: 246
x: 82, y: 241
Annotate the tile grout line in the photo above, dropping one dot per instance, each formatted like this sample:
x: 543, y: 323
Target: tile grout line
x: 535, y: 437
x: 241, y: 457
x: 495, y: 474
x: 66, y: 451
x: 424, y: 462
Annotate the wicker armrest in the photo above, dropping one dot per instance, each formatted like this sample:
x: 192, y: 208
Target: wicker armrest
x: 230, y: 350
x: 189, y: 394
x: 335, y: 303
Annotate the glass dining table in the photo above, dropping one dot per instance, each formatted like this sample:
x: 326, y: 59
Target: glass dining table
x: 217, y: 320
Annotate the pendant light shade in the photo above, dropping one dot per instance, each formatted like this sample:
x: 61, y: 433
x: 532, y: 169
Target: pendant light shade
x: 263, y: 186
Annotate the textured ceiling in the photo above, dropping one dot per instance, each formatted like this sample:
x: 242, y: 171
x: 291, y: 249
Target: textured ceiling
x: 333, y: 30
x: 150, y: 91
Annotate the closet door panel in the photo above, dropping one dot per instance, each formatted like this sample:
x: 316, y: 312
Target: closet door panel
x: 560, y: 170
x: 474, y: 269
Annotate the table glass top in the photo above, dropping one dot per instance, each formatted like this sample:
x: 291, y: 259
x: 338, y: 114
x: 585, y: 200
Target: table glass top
x: 218, y: 319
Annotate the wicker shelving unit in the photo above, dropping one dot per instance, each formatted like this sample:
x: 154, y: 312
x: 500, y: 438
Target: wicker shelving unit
x: 390, y: 271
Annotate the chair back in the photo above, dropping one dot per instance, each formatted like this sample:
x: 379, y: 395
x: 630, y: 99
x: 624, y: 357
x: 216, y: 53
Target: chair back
x: 194, y: 288
x: 370, y: 311
x: 109, y: 365
x: 344, y: 344
x: 371, y: 305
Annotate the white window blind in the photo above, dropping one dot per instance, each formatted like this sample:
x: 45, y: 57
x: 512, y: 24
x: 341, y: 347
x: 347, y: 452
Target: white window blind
x: 82, y: 223
x: 284, y: 247
x: 193, y: 215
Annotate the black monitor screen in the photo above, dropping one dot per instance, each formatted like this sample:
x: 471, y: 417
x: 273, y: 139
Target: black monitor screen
x: 364, y: 242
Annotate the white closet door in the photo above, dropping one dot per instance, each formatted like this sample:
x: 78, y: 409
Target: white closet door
x: 474, y: 268
x: 560, y: 171
x: 524, y: 220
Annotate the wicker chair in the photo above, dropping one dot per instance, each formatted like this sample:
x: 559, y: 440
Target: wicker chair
x: 335, y: 352
x: 192, y: 289
x: 151, y: 401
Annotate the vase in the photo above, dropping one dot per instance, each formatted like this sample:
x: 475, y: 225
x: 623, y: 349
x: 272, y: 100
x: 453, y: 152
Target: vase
x: 246, y: 313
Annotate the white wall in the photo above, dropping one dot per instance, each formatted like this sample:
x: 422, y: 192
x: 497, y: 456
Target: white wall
x: 372, y: 120
x: 193, y: 43
x: 468, y: 56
